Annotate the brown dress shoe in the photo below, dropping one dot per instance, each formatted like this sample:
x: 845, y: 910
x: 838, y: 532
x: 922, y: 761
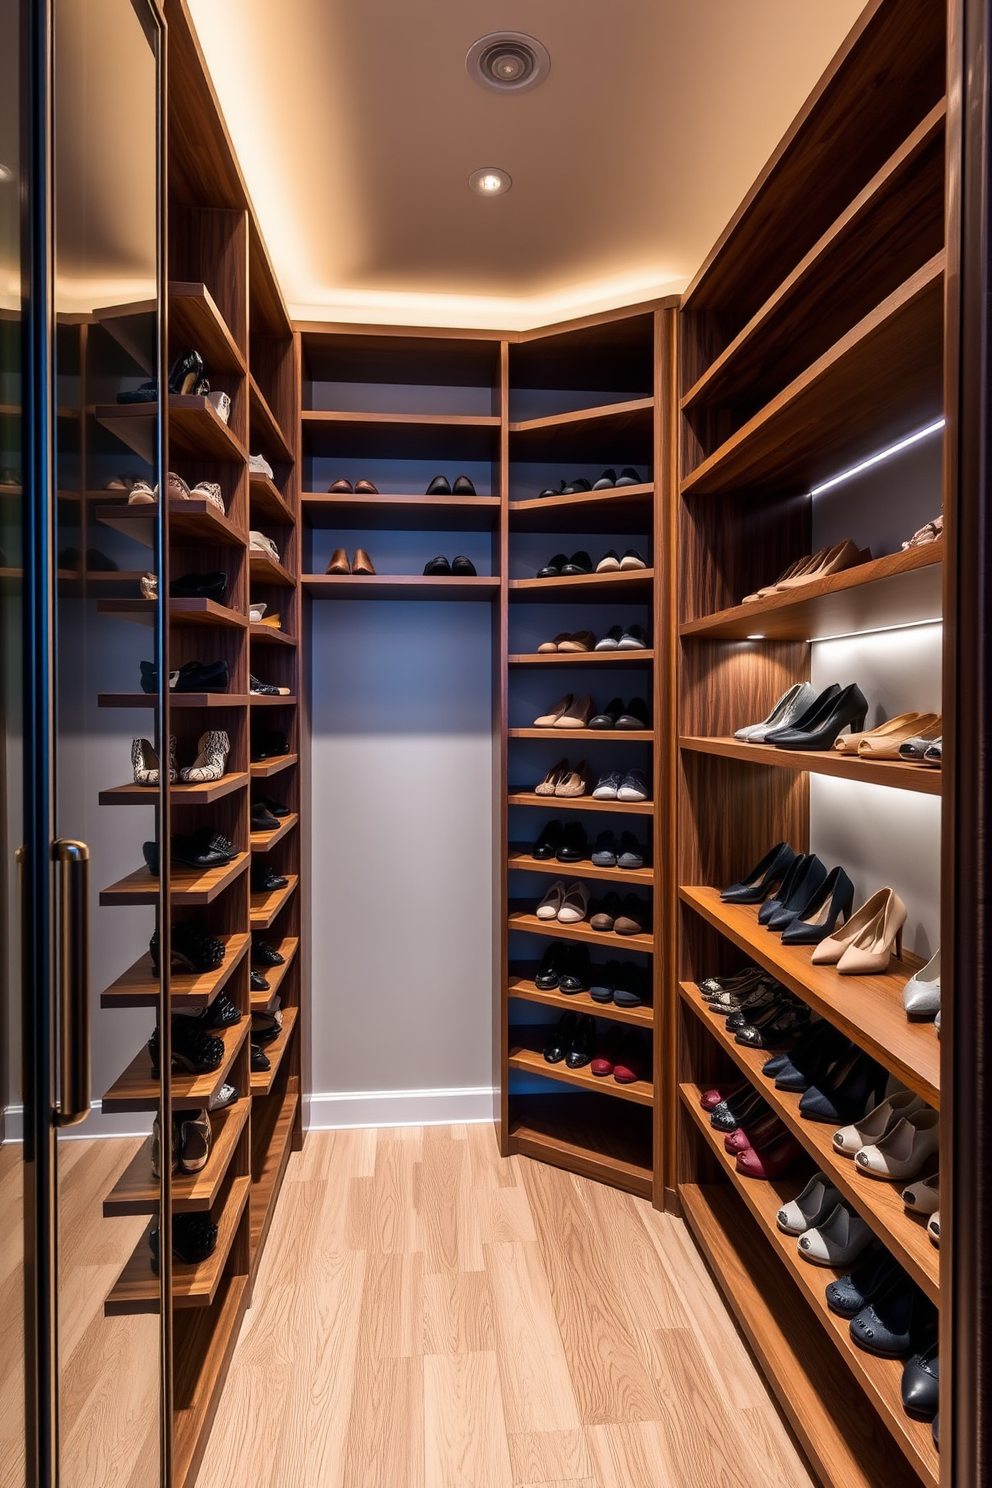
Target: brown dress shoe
x: 339, y: 563
x: 341, y: 487
x: 362, y: 563
x: 365, y: 488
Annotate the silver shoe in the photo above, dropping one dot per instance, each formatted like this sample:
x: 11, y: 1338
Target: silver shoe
x: 790, y: 706
x: 921, y: 994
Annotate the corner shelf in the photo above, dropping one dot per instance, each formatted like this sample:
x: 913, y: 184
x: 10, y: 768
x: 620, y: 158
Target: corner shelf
x: 197, y: 793
x: 599, y: 1139
x: 181, y: 612
x: 625, y: 510
x: 390, y: 436
x: 589, y: 434
x: 554, y: 804
x: 262, y: 1081
x: 633, y: 587
x: 263, y: 842
x: 272, y: 1137
x: 607, y: 736
x: 525, y: 1056
x: 264, y: 769
x: 195, y: 520
x: 137, y: 1089
x: 582, y: 658
x: 264, y: 425
x: 897, y: 774
x: 266, y: 908
x: 138, y: 987
x: 138, y: 1192
x: 189, y: 886
x: 274, y: 975
x: 265, y: 497
x: 265, y: 570
x: 195, y: 320
x: 266, y: 635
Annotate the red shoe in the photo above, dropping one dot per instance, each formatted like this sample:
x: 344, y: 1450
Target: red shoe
x: 710, y: 1099
x: 771, y: 1161
x: 758, y: 1135
x: 606, y: 1054
x: 632, y: 1059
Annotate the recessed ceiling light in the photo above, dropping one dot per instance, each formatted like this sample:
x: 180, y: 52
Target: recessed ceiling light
x: 6, y: 174
x: 489, y: 181
x: 508, y: 61
x: 757, y: 637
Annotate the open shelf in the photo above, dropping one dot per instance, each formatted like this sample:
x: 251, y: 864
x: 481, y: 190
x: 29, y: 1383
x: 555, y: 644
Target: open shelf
x: 264, y: 700
x: 399, y: 586
x: 868, y: 1009
x: 137, y: 1288
x: 524, y: 989
x: 265, y: 570
x: 879, y: 1203
x: 267, y: 635
x: 350, y: 513
x: 265, y: 908
x: 196, y: 429
x: 189, y: 886
x: 137, y: 1089
x: 599, y: 1139
x: 176, y: 700
x: 137, y: 987
x: 262, y: 1081
x: 879, y: 382
x: 181, y: 612
x: 900, y: 589
x: 265, y: 498
x: 520, y: 858
x: 628, y: 509
x: 272, y: 1140
x: 195, y: 320
x: 525, y: 1054
x: 263, y: 769
x: 612, y: 736
x: 263, y: 842
x: 198, y: 793
x: 633, y: 587
x: 554, y: 804
x: 617, y: 433
x: 137, y: 1191
x: 880, y: 1379
x: 411, y: 436
x: 275, y: 975
x: 899, y: 774
x: 520, y: 920
x: 193, y: 521
x: 264, y: 425
x: 582, y: 658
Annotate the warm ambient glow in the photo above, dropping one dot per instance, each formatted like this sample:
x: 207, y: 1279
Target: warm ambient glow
x: 755, y: 638
x: 6, y: 174
x: 885, y: 454
x: 489, y: 182
x: 844, y: 635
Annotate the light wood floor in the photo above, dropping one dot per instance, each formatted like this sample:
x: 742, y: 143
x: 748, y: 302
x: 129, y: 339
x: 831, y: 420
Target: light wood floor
x: 428, y: 1315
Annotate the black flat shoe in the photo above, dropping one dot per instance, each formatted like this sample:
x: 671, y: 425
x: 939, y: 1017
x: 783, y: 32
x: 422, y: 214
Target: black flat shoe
x: 630, y: 854
x: 262, y: 819
x: 439, y: 487
x: 574, y: 845
x: 603, y: 980
x: 438, y: 567
x: 195, y: 676
x: 558, y: 490
x: 211, y: 585
x: 579, y: 563
x: 635, y: 716
x: 548, y: 974
x: 262, y: 954
x: 259, y: 1061
x: 628, y: 986
x: 577, y: 486
x: 575, y: 970
x: 553, y: 568
x: 257, y: 982
x: 203, y: 849
x: 548, y: 841
x: 268, y: 744
x: 604, y: 853
x: 921, y: 1385
x: 265, y: 879
x: 222, y: 1013
x: 463, y: 487
x: 276, y: 807
x: 560, y: 1040
x: 463, y: 567
x: 606, y: 481
x: 755, y: 886
x: 607, y: 718
x: 629, y: 477
x: 583, y: 1043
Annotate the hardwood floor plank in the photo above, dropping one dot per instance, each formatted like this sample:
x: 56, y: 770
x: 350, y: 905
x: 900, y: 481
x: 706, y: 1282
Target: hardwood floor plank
x: 464, y: 1435
x: 544, y: 1456
x: 537, y: 1386
x: 440, y: 1180
x: 385, y: 1441
x: 634, y: 1455
x: 458, y: 1316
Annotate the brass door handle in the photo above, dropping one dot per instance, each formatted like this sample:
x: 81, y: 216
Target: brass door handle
x: 73, y: 859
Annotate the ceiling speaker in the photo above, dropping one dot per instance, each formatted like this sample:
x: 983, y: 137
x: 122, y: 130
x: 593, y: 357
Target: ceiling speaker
x: 508, y: 61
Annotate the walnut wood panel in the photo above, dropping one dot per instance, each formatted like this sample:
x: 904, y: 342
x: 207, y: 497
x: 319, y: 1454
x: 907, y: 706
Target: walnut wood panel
x: 203, y: 1343
x: 609, y: 350
x: 137, y: 987
x: 607, y: 736
x: 521, y: 920
x: 265, y: 769
x: 587, y: 433
x: 897, y: 774
x: 197, y: 429
x: 189, y: 886
x: 727, y: 684
x: 267, y: 500
x: 138, y: 1192
x: 519, y: 856
x: 729, y: 549
x: 263, y: 842
x: 137, y: 1089
x: 267, y: 635
x: 524, y: 990
x: 401, y: 513
x: 578, y: 803
x: 410, y: 436
x: 266, y: 570
x: 195, y: 320
x: 265, y: 429
x: 525, y: 1054
x: 867, y: 1008
x: 625, y: 510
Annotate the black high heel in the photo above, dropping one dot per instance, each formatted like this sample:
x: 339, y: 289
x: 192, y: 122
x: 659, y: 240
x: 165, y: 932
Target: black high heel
x: 755, y: 886
x: 186, y: 372
x: 833, y: 899
x: 808, y: 880
x: 784, y: 891
x: 847, y: 707
x: 805, y: 720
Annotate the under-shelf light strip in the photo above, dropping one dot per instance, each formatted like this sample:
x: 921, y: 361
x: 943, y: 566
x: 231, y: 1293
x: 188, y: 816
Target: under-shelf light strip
x: 885, y: 454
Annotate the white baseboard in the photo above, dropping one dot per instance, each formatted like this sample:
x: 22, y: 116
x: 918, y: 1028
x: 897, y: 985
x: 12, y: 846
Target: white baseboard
x: 116, y: 1124
x: 329, y: 1112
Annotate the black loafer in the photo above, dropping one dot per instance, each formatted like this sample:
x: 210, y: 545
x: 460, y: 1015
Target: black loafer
x: 276, y: 807
x: 548, y: 842
x: 463, y: 487
x: 629, y: 477
x: 604, y: 853
x: 211, y: 585
x: 438, y: 567
x: 635, y: 715
x: 257, y: 982
x: 548, y: 974
x: 574, y: 845
x: 463, y: 567
x: 203, y: 849
x: 262, y: 819
x: 579, y: 563
x: 558, y: 490
x: 260, y: 1061
x: 575, y: 970
x: 554, y: 567
x: 583, y: 1045
x: 560, y: 1040
x: 606, y: 481
x: 262, y: 954
x: 265, y: 879
x: 607, y: 719
x: 439, y: 486
x: 577, y: 486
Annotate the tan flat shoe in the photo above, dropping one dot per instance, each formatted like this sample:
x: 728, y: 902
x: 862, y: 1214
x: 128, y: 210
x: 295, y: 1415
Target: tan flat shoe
x: 339, y: 563
x: 548, y: 720
x: 802, y: 567
x: 843, y: 555
x: 547, y: 646
x: 362, y: 563
x: 577, y: 782
x: 577, y: 714
x: 547, y: 786
x: 786, y: 573
x: 848, y: 743
x: 886, y: 746
x: 870, y: 951
x: 829, y: 951
x: 582, y: 640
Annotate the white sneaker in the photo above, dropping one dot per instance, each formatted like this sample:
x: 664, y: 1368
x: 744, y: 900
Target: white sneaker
x: 141, y: 494
x: 259, y: 543
x: 815, y: 1204
x: 222, y: 405
x: 838, y: 1241
x: 210, y: 491
x: 259, y: 465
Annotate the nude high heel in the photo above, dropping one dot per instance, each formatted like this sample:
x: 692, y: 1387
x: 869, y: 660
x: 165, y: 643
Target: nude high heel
x: 870, y: 952
x: 829, y: 951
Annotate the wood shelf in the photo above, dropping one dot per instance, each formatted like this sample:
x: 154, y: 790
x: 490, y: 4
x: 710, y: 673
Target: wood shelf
x: 879, y: 382
x: 137, y: 1288
x: 880, y: 1379
x: 203, y: 1343
x: 263, y: 769
x: 198, y: 793
x: 176, y: 700
x: 264, y: 700
x: 899, y: 589
x: 520, y: 858
x: 349, y: 513
x: 138, y: 987
x: 612, y: 736
x: 520, y: 920
x: 195, y: 429
x: 868, y: 1009
x: 633, y: 587
x: 266, y: 635
x: 524, y: 989
x: 525, y: 1055
x: 879, y: 1204
x: 898, y: 774
x: 195, y: 320
x: 189, y: 886
x: 266, y: 499
x: 582, y: 658
x: 193, y: 521
x: 265, y: 427
x: 263, y: 842
x: 555, y: 804
x: 275, y: 975
x: 265, y: 908
x: 272, y: 1140
x: 400, y: 586
x: 265, y: 570
x: 598, y: 1139
x: 138, y: 1192
x: 181, y: 612
x: 390, y: 436
x: 262, y: 1081
x: 628, y: 509
x: 137, y: 1089
x: 617, y: 432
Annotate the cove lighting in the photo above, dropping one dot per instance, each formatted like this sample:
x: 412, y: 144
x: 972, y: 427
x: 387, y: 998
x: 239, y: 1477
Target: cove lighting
x: 853, y: 635
x: 6, y: 174
x: 755, y: 638
x: 893, y: 449
x: 489, y: 181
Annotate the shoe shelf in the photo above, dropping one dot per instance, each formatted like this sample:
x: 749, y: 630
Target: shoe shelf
x: 821, y: 1399
x: 898, y: 774
x: 195, y: 793
x: 868, y: 1009
x: 137, y: 1089
x: 266, y: 499
x: 520, y: 857
x: 880, y: 1379
x: 900, y: 589
x: 195, y: 520
x: 176, y: 700
x: 263, y: 842
x: 267, y: 635
x: 272, y: 1137
x: 265, y: 570
x: 521, y: 920
x: 189, y: 886
x: 870, y: 232
x: 137, y: 1191
x: 578, y: 803
x: 582, y: 658
x: 594, y: 433
x: 196, y: 320
x: 411, y: 436
x: 879, y: 1203
x: 137, y: 987
x: 595, y: 1138
x: 265, y: 428
x: 632, y: 587
x: 262, y: 769
x: 263, y: 700
x: 274, y: 975
x: 400, y: 513
x: 613, y: 736
x: 262, y: 1081
x: 625, y: 510
x: 197, y: 429
x: 400, y: 586
x: 181, y: 612
x: 265, y: 908
x: 879, y: 382
x: 137, y: 1288
x: 525, y: 991
x: 525, y: 1054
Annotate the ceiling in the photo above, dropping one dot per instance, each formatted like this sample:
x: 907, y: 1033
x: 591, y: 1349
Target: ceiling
x: 357, y: 127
